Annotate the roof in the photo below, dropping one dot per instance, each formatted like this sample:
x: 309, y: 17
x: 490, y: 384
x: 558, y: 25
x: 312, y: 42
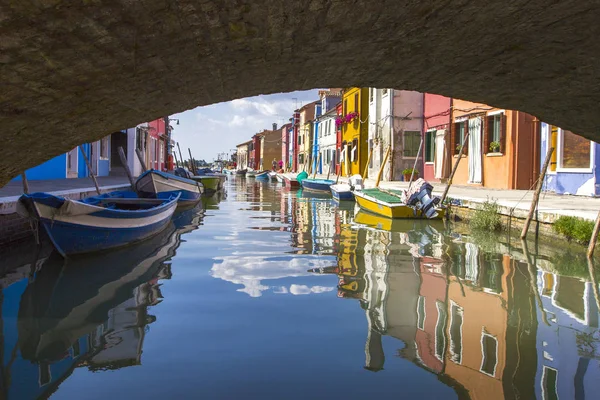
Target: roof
x: 244, y: 144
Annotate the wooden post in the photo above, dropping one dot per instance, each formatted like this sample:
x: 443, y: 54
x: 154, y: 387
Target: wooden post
x: 192, y: 163
x: 592, y: 273
x: 536, y: 195
x: 126, y: 166
x: 317, y: 165
x: 141, y: 158
x: 594, y: 238
x: 347, y: 161
x: 387, y: 154
x: 87, y: 162
x: 25, y: 183
x: 415, y: 164
x: 180, y: 156
x: 460, y: 153
x: 366, y: 173
x: 176, y: 161
x: 329, y: 170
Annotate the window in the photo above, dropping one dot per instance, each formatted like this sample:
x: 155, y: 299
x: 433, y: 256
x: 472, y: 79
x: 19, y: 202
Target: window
x: 345, y: 106
x: 354, y: 153
x: 456, y: 320
x: 549, y: 386
x: 489, y: 350
x: 384, y: 92
x: 412, y: 141
x: 440, y: 335
x: 421, y: 313
x: 371, y: 90
x: 140, y: 139
x: 491, y: 274
x: 495, y: 133
x: 104, y: 147
x: 575, y: 151
x: 356, y: 102
x: 430, y: 146
x: 460, y: 131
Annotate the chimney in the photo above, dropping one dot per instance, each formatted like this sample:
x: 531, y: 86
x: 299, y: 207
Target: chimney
x: 274, y: 126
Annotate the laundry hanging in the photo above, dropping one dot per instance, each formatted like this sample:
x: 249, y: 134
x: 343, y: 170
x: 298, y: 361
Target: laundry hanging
x: 475, y: 162
x: 439, y: 164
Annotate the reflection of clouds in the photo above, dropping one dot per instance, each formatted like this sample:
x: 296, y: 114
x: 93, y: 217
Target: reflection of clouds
x: 303, y: 289
x: 250, y: 270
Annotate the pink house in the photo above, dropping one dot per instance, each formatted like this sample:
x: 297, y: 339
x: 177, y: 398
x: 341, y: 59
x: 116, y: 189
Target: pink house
x: 436, y: 134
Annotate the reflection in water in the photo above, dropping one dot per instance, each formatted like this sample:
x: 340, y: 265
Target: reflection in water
x: 83, y: 312
x: 479, y: 319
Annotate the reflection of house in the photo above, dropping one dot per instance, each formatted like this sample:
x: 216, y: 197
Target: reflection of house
x: 568, y: 351
x: 572, y: 169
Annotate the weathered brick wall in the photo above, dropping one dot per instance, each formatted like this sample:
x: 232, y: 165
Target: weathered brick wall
x: 73, y: 71
x: 13, y: 228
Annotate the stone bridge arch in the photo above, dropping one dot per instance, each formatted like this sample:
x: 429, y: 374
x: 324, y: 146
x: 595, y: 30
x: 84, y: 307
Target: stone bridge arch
x: 72, y: 71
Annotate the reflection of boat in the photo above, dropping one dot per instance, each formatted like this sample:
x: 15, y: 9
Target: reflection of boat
x: 263, y: 175
x: 100, y: 222
x: 389, y: 204
x: 153, y: 182
x: 317, y: 185
x: 69, y: 299
x: 251, y: 173
x: 290, y: 181
x: 241, y: 172
x: 309, y: 194
x: 273, y: 176
x: 395, y: 225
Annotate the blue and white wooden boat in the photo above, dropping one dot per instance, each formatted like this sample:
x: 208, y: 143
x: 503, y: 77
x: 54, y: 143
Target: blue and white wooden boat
x: 342, y: 192
x: 153, y: 183
x: 263, y: 176
x: 100, y: 222
x: 317, y: 185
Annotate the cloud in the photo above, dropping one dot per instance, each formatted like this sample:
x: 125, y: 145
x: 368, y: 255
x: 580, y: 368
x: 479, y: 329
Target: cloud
x: 298, y: 290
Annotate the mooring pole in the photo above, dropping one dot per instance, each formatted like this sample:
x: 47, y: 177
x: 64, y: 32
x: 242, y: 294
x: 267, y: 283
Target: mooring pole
x: 594, y: 238
x: 192, y: 163
x: 460, y: 153
x: 141, y: 158
x: 366, y: 173
x: 531, y: 269
x: 536, y: 195
x: 25, y: 183
x: 176, y: 162
x: 387, y: 154
x: 126, y: 166
x: 89, y: 165
x: 180, y: 156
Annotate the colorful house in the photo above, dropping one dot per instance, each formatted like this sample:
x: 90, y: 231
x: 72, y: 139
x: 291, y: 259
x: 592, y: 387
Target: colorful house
x: 572, y: 168
x: 339, y: 111
x: 502, y: 148
x: 286, y: 131
x: 243, y: 155
x: 293, y: 142
x: 305, y: 135
x: 324, y: 138
x: 270, y: 147
x: 395, y: 121
x: 436, y: 134
x: 355, y: 132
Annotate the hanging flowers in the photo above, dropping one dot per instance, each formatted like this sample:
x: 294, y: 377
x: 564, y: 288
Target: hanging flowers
x: 346, y: 119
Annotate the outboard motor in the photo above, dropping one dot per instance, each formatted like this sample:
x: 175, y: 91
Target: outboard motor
x: 420, y: 194
x: 356, y: 182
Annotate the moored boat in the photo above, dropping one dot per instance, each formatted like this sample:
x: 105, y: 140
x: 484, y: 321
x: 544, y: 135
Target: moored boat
x: 317, y: 185
x: 241, y: 172
x: 152, y: 183
x: 342, y: 191
x: 290, y: 181
x: 251, y: 174
x: 100, y: 222
x: 263, y: 175
x: 389, y: 203
x: 273, y: 175
x: 279, y: 178
x: 210, y: 182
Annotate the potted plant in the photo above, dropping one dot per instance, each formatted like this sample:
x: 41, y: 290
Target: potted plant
x: 458, y: 147
x: 495, y: 147
x: 408, y: 172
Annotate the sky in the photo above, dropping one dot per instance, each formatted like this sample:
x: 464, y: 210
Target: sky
x: 218, y: 128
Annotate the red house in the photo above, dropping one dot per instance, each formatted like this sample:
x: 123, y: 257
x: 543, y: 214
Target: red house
x: 338, y: 140
x: 296, y: 126
x: 156, y: 144
x: 255, y: 152
x: 436, y: 133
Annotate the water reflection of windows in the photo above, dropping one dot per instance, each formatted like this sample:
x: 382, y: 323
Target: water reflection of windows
x: 421, y: 313
x: 489, y: 354
x: 491, y: 271
x: 456, y: 322
x: 458, y: 261
x: 549, y: 387
x: 440, y: 335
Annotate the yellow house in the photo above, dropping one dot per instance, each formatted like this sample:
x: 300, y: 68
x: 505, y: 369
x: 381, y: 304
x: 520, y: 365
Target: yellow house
x: 355, y: 130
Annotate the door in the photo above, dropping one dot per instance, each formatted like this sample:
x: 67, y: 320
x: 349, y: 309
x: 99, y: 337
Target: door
x: 72, y: 163
x: 94, y: 157
x: 475, y: 150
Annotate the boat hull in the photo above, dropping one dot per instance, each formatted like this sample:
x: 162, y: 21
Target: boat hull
x: 317, y: 185
x: 75, y: 227
x: 152, y: 183
x: 391, y: 210
x: 342, y: 192
x: 263, y: 176
x: 211, y: 183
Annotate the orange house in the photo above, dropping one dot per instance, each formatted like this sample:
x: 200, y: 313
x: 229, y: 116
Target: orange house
x: 501, y: 151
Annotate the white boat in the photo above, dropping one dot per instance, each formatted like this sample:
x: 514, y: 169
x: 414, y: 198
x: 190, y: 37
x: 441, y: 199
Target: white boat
x: 153, y: 182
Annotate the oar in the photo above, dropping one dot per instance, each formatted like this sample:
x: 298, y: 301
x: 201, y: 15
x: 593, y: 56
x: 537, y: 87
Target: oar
x: 329, y: 171
x: 87, y: 162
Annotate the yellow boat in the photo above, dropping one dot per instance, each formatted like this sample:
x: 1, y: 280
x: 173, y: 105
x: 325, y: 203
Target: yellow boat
x: 390, y: 205
x: 367, y: 219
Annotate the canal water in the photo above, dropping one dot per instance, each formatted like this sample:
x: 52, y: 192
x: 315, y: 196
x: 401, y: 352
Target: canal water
x: 268, y: 293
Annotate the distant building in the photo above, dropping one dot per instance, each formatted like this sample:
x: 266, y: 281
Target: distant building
x: 305, y: 136
x: 324, y: 133
x: 270, y: 147
x: 243, y: 155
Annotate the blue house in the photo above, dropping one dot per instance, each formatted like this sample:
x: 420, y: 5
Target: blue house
x: 573, y: 167
x: 72, y: 164
x: 328, y: 99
